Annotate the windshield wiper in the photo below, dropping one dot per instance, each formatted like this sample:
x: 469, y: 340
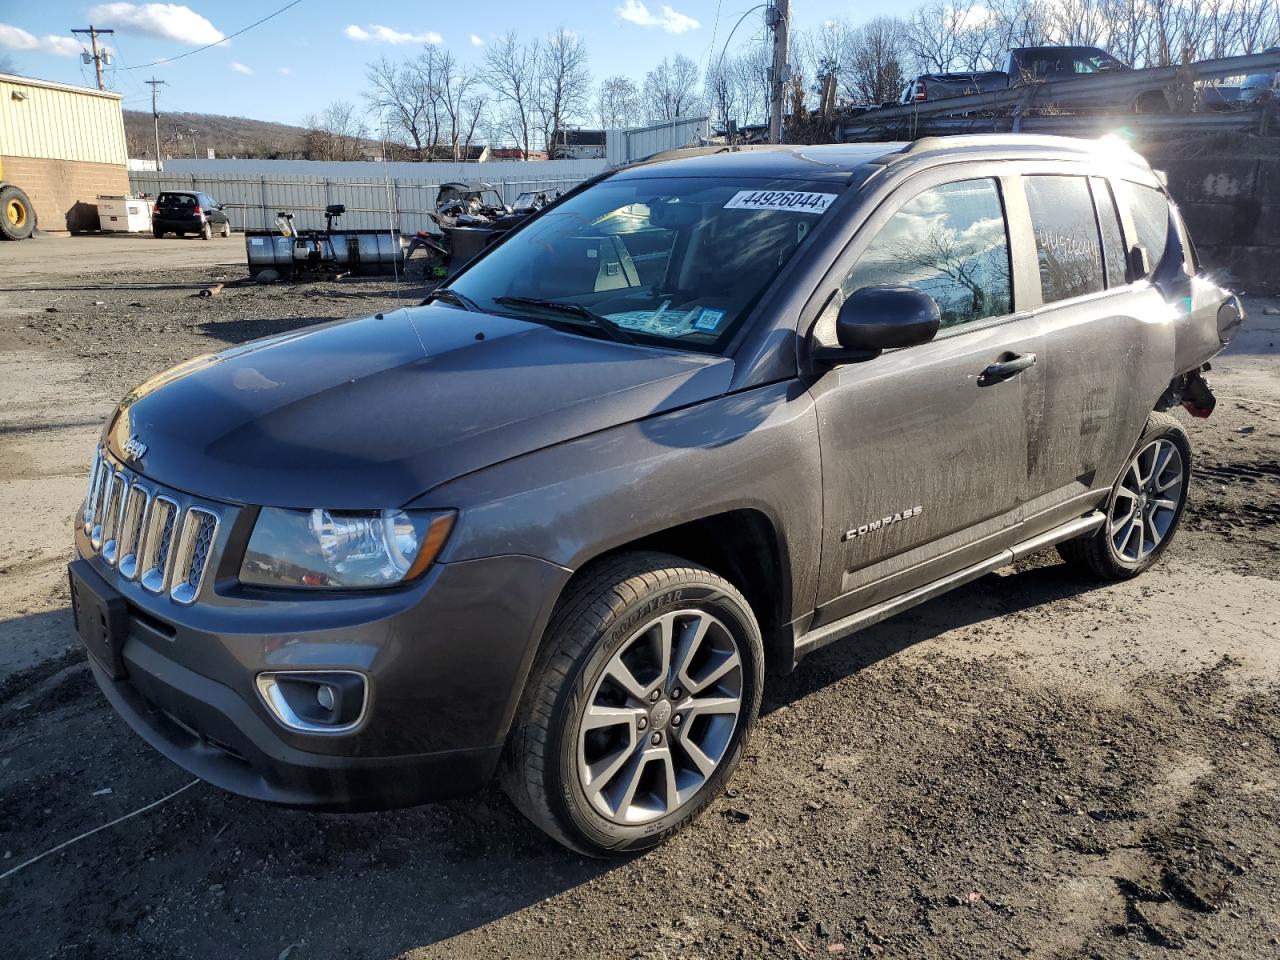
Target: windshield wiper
x: 611, y: 329
x: 452, y: 296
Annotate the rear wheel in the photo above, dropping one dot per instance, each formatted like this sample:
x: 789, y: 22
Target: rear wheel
x: 1145, y: 506
x: 157, y: 232
x: 639, y: 707
x: 17, y: 218
x: 206, y: 231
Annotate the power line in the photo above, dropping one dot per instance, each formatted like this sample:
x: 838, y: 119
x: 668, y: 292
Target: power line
x: 157, y: 63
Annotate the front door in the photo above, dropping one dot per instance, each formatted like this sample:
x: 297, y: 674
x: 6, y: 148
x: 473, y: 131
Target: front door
x: 924, y: 450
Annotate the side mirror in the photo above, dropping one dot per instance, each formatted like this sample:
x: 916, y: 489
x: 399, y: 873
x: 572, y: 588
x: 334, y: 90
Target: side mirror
x: 1139, y: 263
x: 873, y: 319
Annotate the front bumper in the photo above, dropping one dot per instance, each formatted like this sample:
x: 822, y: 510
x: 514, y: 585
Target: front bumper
x: 445, y: 660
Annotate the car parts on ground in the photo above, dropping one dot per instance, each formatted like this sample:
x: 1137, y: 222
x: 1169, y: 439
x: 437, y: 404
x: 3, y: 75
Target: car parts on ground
x: 290, y: 253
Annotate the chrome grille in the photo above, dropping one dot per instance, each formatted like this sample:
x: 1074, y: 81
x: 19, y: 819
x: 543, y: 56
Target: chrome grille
x: 117, y: 490
x: 147, y: 532
x: 130, y: 536
x: 198, y: 532
x: 157, y: 540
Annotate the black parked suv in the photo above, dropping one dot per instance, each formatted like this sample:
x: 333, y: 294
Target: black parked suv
x: 182, y: 213
x: 689, y: 423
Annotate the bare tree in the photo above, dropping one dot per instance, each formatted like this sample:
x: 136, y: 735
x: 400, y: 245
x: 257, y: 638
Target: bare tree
x: 618, y: 103
x: 670, y: 89
x: 877, y: 60
x: 338, y: 133
x: 399, y: 95
x: 511, y: 71
x: 564, y: 84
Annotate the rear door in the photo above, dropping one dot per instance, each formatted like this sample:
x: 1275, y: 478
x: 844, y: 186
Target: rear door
x: 923, y: 455
x: 1105, y: 342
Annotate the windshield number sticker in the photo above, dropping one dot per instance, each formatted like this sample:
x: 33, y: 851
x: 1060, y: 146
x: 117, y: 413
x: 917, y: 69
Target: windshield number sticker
x: 794, y: 200
x: 708, y: 320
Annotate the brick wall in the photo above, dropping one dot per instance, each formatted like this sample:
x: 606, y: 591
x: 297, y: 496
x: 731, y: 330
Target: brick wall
x: 1232, y: 207
x: 65, y: 192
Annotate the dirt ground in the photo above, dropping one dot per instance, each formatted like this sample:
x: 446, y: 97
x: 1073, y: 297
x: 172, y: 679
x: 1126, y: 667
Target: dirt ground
x: 1034, y: 766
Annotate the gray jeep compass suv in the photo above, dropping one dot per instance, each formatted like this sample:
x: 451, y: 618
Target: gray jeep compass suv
x: 695, y: 419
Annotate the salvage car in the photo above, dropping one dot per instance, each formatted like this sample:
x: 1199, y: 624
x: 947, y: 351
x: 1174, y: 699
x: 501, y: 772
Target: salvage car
x: 181, y: 212
x: 689, y: 423
x: 1035, y: 65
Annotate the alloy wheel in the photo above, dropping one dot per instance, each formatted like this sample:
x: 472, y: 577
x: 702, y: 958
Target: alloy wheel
x: 1145, y: 504
x: 661, y: 717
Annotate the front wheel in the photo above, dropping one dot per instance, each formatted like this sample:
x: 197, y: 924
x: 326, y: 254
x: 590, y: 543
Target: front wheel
x: 639, y: 706
x: 1144, y: 508
x: 226, y: 230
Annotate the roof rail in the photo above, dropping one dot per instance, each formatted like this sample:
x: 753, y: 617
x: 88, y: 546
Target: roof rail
x: 678, y: 153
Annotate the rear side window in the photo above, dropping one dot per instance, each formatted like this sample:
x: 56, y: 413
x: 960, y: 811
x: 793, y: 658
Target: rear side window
x: 949, y: 242
x: 1067, y: 245
x: 1150, y: 211
x: 1112, y: 233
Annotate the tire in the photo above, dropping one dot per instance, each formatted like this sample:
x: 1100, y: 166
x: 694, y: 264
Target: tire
x: 620, y: 607
x: 226, y: 230
x: 1111, y: 552
x: 206, y: 231
x: 157, y: 232
x: 17, y: 216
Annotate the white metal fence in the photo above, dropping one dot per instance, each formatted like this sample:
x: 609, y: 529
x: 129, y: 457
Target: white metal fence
x: 623, y: 146
x: 375, y: 198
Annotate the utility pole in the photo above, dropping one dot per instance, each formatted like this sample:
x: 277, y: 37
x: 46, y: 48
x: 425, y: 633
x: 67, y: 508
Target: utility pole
x: 98, y: 58
x: 778, y: 18
x: 155, y: 118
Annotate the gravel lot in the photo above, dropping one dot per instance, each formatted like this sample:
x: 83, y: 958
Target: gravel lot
x: 1033, y: 766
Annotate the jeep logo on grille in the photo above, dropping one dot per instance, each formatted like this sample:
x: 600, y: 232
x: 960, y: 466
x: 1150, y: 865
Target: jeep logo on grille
x: 134, y: 448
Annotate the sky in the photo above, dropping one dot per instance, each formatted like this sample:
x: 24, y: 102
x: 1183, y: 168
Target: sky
x: 315, y: 52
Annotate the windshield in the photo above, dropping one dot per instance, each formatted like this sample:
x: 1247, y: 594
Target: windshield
x: 673, y: 261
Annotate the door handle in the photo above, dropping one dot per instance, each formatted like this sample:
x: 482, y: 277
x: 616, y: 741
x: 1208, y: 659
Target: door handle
x: 1005, y: 369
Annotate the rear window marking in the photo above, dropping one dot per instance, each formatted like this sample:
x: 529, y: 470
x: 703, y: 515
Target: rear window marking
x: 794, y: 200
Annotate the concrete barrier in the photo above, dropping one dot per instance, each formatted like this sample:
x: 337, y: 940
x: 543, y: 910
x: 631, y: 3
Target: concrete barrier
x: 1232, y: 206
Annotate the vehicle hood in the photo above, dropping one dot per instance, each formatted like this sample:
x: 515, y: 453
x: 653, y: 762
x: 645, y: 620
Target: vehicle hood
x: 371, y: 413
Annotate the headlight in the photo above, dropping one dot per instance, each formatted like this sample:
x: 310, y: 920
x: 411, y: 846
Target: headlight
x: 342, y: 550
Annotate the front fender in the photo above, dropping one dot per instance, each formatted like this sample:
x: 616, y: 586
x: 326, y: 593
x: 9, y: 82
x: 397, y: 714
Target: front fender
x: 567, y: 504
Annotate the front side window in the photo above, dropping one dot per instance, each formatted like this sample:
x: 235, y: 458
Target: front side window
x: 1068, y: 248
x: 675, y: 261
x: 949, y: 242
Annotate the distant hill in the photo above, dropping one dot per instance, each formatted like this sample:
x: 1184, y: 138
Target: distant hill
x: 229, y: 136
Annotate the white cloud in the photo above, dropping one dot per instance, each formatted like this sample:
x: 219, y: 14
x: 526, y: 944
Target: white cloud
x: 672, y: 21
x: 285, y: 71
x: 376, y: 33
x: 169, y: 21
x: 239, y: 67
x: 477, y: 40
x: 15, y: 38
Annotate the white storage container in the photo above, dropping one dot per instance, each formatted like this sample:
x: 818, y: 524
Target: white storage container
x: 124, y: 214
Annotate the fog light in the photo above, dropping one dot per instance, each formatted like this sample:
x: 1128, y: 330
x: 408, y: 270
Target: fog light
x: 324, y: 697
x: 315, y: 701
